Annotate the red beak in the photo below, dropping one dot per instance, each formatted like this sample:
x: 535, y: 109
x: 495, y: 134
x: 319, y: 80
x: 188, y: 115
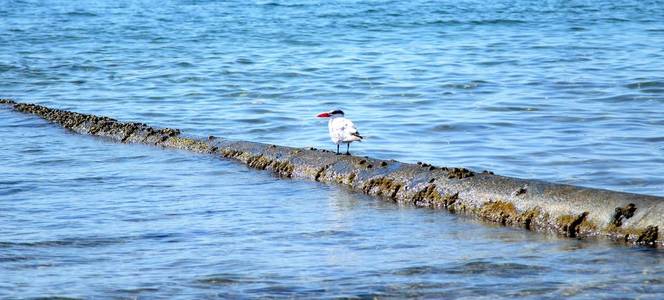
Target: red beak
x: 323, y: 115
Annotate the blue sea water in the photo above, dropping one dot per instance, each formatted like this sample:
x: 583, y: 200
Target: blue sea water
x: 564, y: 91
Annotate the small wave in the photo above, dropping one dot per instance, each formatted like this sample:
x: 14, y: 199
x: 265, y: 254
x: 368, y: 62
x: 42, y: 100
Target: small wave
x: 275, y: 129
x: 226, y: 279
x: 615, y: 20
x: 56, y: 298
x: 218, y: 281
x: 326, y: 233
x: 379, y: 10
x: 337, y: 15
x: 479, y: 267
x: 576, y: 28
x: 278, y: 290
x: 159, y: 40
x: 658, y: 139
x: 289, y: 74
x: 12, y: 191
x: 444, y: 128
x: 10, y: 182
x: 497, y: 269
x: 184, y: 64
x: 158, y: 236
x: 474, y: 22
x: 72, y: 242
x: 497, y: 22
x: 465, y: 85
x: 84, y: 68
x: 137, y: 290
x: 489, y: 63
x: 510, y: 109
x: 80, y: 14
x: 189, y: 78
x: 252, y: 121
x: 257, y: 111
x: 277, y: 4
x: 6, y: 68
x: 653, y: 91
x: 419, y: 270
x: 14, y: 258
x: 244, y: 61
x: 295, y: 42
x: 619, y: 98
x: 645, y: 84
x: 92, y: 179
x: 460, y: 127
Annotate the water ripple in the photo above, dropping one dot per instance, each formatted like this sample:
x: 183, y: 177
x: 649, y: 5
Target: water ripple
x: 567, y: 91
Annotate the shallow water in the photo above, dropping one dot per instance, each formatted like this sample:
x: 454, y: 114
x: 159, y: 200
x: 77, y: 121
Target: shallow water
x: 569, y: 92
x: 84, y: 217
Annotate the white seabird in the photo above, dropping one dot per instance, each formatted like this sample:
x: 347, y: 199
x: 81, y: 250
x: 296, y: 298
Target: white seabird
x: 342, y: 130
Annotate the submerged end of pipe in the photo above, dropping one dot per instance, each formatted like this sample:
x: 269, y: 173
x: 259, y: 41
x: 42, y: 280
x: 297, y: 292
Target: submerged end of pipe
x: 9, y: 102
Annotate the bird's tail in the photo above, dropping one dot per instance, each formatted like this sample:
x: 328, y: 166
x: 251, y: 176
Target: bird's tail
x: 355, y: 134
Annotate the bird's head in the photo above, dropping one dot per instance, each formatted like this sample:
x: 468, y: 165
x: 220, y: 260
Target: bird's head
x: 331, y: 114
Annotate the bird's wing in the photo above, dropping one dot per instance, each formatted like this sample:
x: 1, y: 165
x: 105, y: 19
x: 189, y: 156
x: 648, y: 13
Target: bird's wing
x: 349, y: 126
x: 349, y: 130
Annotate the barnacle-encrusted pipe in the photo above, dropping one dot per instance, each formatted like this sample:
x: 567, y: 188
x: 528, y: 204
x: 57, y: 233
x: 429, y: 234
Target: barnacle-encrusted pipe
x: 535, y: 205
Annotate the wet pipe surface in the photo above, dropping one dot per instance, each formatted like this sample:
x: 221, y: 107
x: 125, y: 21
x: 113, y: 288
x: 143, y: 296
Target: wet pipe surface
x: 567, y: 210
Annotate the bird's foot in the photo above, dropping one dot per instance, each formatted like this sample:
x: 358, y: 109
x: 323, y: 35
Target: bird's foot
x: 338, y: 153
x: 347, y: 153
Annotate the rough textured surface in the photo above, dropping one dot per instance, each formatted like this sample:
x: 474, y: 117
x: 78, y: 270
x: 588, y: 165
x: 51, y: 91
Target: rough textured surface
x: 535, y: 205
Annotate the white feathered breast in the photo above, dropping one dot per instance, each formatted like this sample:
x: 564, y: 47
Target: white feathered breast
x: 343, y: 130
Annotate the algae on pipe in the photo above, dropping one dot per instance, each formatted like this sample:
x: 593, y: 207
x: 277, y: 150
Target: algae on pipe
x: 568, y: 210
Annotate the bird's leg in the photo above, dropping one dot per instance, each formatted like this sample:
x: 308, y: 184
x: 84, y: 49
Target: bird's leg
x: 337, y: 148
x: 347, y: 148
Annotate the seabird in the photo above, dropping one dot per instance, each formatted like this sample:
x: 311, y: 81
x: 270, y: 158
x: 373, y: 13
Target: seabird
x: 342, y: 130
